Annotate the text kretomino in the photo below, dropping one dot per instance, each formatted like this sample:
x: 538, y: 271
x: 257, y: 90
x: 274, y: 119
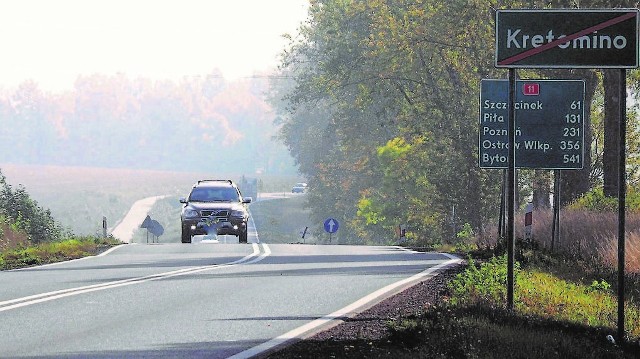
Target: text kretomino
x: 518, y: 40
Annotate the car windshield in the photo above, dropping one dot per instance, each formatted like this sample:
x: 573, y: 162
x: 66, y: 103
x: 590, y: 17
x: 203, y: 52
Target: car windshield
x: 207, y: 194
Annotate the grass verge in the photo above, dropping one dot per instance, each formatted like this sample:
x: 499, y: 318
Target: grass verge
x: 538, y: 293
x: 470, y: 332
x: 51, y: 252
x: 553, y: 318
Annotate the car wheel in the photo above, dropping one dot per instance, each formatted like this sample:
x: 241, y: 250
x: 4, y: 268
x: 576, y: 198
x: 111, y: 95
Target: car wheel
x: 242, y: 238
x: 186, y: 235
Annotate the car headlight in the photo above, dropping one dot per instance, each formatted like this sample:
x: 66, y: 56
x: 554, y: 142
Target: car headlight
x: 238, y: 213
x: 190, y: 213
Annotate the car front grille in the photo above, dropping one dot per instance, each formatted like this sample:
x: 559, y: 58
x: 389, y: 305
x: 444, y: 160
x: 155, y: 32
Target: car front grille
x: 218, y: 213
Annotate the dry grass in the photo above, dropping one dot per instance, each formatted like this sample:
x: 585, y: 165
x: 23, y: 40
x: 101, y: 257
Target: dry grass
x: 585, y: 235
x: 591, y: 236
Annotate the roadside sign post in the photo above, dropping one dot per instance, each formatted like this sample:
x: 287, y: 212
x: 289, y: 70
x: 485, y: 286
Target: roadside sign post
x: 331, y: 226
x: 622, y: 193
x: 563, y: 38
x: 548, y: 133
x: 511, y: 189
x: 146, y: 224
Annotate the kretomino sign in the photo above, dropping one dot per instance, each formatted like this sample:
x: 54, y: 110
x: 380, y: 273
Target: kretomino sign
x: 564, y: 39
x: 567, y: 38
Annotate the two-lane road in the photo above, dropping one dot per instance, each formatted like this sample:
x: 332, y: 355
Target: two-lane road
x: 198, y: 300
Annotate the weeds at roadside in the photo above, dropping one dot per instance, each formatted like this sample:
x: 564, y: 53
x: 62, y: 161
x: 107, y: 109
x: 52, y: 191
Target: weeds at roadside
x: 541, y: 294
x: 477, y: 331
x: 50, y: 252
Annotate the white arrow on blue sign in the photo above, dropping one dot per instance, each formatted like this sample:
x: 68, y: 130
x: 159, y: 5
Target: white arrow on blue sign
x: 331, y: 225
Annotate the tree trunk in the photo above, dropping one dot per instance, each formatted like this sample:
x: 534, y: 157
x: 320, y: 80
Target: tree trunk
x: 541, y: 189
x: 577, y: 182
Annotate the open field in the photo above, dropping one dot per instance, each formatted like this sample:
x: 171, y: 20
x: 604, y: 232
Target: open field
x: 79, y: 197
x: 283, y: 220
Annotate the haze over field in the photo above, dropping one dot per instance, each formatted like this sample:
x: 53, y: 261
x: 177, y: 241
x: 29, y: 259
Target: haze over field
x: 52, y: 42
x: 147, y: 84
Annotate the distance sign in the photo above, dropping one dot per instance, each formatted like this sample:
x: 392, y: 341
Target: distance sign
x: 549, y: 124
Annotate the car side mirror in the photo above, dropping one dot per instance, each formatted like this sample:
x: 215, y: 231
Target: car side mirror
x: 183, y: 200
x: 246, y: 199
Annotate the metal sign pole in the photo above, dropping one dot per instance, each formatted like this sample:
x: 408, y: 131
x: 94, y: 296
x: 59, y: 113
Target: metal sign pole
x: 511, y: 188
x: 621, y: 200
x: 562, y: 51
x: 555, y: 228
x: 502, y: 201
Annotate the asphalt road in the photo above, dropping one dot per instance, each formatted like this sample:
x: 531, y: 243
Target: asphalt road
x: 200, y: 300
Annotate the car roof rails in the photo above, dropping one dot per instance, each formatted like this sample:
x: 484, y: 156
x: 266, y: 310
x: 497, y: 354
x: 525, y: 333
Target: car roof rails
x: 216, y: 180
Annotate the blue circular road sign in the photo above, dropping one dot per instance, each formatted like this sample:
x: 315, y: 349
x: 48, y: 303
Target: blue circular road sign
x: 331, y: 225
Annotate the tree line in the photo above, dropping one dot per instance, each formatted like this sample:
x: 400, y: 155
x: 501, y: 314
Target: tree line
x: 381, y: 114
x: 200, y: 123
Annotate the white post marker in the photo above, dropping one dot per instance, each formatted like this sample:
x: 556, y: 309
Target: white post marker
x: 528, y: 220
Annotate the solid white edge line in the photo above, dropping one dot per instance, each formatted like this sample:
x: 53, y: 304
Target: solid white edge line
x: 43, y: 297
x: 110, y: 250
x: 339, y: 315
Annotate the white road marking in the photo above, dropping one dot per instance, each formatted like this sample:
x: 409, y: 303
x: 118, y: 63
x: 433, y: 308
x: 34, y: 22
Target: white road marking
x: 340, y: 315
x: 251, y: 228
x: 267, y: 252
x: 48, y: 296
x: 107, y: 251
x: 138, y: 211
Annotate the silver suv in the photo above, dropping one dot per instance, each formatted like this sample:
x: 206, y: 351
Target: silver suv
x: 214, y: 207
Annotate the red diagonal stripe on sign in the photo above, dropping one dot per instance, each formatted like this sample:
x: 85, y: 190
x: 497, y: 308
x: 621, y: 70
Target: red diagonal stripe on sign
x: 554, y: 43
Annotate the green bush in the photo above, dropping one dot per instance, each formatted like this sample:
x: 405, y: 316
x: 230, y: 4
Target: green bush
x: 24, y: 214
x: 599, y: 286
x: 483, y: 284
x: 595, y: 200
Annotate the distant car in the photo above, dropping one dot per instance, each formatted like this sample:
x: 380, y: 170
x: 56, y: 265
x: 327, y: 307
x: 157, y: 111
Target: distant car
x: 214, y: 207
x: 300, y: 187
